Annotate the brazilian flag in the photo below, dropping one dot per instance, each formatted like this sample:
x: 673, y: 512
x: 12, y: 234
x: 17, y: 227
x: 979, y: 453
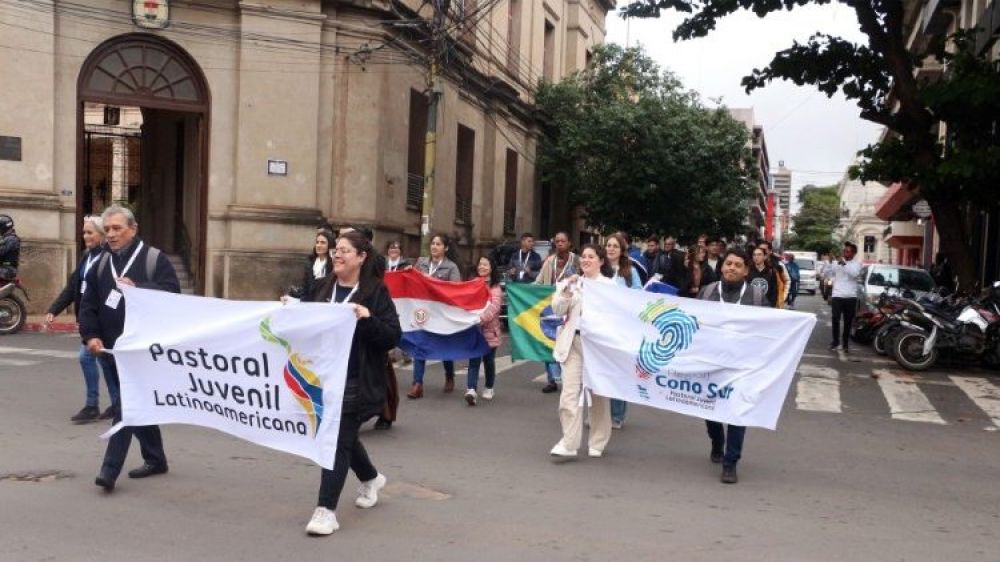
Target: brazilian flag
x: 531, y: 321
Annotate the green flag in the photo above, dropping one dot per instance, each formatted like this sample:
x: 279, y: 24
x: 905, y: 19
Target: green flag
x: 531, y: 321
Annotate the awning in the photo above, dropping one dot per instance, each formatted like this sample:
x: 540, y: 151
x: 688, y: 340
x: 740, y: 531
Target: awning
x: 895, y: 203
x: 900, y: 242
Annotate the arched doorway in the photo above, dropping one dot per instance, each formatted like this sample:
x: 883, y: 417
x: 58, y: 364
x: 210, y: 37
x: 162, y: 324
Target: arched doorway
x: 143, y: 109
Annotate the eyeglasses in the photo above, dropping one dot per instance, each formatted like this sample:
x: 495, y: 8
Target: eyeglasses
x: 343, y: 251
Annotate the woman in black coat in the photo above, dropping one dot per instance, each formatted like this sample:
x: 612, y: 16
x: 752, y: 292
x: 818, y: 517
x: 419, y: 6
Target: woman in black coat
x: 357, y: 279
x: 93, y: 241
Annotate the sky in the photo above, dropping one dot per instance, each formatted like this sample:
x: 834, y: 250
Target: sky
x: 816, y: 137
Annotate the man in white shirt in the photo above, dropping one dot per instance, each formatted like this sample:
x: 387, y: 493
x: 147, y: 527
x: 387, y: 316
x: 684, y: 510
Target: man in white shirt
x: 844, y: 297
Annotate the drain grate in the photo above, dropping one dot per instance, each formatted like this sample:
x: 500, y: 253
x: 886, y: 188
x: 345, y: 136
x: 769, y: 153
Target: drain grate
x: 35, y: 476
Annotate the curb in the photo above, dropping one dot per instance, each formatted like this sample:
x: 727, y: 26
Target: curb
x: 54, y: 328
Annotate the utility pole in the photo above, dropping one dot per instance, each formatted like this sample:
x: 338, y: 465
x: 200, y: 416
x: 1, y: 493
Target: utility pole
x: 438, y: 46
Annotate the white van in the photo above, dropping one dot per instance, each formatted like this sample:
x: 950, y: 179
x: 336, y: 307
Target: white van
x: 807, y: 271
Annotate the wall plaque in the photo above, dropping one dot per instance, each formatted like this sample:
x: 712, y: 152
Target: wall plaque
x: 10, y: 148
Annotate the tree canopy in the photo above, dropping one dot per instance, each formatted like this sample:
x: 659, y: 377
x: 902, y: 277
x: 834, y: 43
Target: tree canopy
x: 640, y: 153
x: 816, y: 220
x: 896, y: 88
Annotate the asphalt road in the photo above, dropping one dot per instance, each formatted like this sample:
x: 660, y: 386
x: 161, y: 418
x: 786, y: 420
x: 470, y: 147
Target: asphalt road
x: 868, y: 463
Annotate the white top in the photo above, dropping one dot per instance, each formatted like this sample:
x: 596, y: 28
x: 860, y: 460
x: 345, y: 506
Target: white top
x: 319, y: 268
x: 845, y: 278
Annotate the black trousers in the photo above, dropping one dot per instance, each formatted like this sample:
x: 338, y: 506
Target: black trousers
x: 351, y: 454
x: 150, y: 440
x: 843, y: 308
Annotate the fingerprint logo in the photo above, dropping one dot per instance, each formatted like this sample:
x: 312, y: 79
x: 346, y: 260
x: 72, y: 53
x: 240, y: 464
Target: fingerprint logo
x: 676, y: 329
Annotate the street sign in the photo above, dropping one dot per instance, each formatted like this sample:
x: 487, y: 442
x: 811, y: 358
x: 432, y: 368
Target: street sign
x: 922, y: 209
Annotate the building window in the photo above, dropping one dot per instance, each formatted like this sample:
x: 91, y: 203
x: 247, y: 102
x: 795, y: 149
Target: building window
x: 510, y: 193
x: 464, y: 162
x: 514, y: 36
x: 415, y: 151
x: 869, y: 244
x: 588, y: 57
x: 549, y: 52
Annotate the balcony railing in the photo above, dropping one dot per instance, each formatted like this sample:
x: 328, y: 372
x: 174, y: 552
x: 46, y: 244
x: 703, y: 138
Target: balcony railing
x: 463, y: 209
x: 508, y: 222
x: 414, y: 192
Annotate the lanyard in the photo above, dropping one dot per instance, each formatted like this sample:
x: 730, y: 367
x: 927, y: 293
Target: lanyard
x: 739, y: 300
x: 90, y: 263
x: 569, y: 259
x: 128, y: 265
x: 431, y: 268
x: 333, y: 297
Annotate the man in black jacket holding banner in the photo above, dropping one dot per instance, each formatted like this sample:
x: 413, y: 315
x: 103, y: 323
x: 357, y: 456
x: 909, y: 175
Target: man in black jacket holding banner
x: 129, y: 262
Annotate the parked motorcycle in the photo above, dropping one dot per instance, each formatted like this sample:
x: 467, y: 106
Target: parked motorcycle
x: 968, y: 329
x: 13, y: 312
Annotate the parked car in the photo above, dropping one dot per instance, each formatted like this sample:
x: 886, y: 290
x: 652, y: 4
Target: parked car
x: 911, y: 282
x: 807, y: 275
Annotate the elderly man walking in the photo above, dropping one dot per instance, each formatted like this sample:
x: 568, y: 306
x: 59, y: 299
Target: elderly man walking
x: 128, y: 262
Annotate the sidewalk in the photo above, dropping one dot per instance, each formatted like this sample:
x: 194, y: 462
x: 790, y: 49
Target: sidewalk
x: 61, y: 325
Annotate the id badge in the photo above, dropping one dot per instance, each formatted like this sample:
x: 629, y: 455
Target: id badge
x: 83, y: 287
x: 114, y: 297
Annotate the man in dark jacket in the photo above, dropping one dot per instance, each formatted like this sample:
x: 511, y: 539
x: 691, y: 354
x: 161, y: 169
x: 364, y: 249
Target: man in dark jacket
x: 10, y: 249
x: 525, y: 263
x: 102, y: 318
x: 727, y: 445
x: 670, y: 265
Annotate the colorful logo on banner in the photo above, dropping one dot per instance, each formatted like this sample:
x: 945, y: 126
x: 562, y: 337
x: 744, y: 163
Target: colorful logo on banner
x: 676, y: 330
x: 300, y: 380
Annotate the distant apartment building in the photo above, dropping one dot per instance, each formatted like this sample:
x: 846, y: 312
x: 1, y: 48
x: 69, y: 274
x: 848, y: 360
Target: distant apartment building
x: 757, y: 204
x: 783, y: 187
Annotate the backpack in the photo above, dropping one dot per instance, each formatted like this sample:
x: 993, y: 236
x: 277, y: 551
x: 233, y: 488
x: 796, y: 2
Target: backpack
x: 151, y: 256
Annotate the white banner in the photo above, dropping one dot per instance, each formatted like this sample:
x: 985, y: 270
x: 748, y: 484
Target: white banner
x: 271, y: 374
x: 722, y: 362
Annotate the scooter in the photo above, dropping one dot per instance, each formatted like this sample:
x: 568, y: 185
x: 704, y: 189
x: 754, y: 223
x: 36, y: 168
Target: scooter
x: 13, y: 312
x: 974, y: 333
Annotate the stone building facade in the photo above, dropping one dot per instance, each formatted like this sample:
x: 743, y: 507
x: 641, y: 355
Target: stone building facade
x: 259, y: 122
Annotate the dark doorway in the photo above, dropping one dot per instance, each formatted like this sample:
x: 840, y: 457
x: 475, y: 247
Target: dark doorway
x: 143, y: 130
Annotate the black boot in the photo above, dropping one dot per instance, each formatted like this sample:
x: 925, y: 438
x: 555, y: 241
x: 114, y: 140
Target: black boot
x: 729, y: 475
x: 87, y: 414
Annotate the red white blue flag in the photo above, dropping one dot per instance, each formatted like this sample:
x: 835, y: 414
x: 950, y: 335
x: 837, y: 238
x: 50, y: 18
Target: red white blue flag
x: 440, y: 319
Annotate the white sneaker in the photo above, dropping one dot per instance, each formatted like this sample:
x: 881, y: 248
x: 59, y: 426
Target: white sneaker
x: 488, y: 394
x: 617, y: 424
x: 561, y: 451
x: 595, y: 452
x: 368, y: 492
x: 323, y: 522
x: 470, y: 397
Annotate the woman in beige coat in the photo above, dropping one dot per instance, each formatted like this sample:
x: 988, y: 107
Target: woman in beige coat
x: 567, y: 302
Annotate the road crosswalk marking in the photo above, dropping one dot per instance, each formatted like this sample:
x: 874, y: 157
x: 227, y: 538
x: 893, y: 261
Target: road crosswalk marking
x: 17, y: 362
x: 985, y: 394
x: 55, y: 353
x: 818, y: 389
x: 906, y: 401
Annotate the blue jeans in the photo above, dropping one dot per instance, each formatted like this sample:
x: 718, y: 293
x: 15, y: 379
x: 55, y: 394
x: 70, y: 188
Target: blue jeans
x: 618, y: 408
x: 489, y: 363
x: 730, y: 439
x: 420, y: 366
x: 553, y: 372
x: 91, y: 377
